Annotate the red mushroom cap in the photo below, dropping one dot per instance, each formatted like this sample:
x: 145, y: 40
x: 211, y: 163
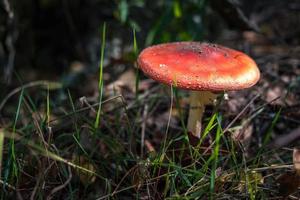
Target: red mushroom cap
x: 199, y: 66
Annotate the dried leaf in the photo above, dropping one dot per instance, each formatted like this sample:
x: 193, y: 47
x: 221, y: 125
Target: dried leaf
x: 288, y: 183
x: 126, y: 80
x: 149, y: 146
x: 273, y: 93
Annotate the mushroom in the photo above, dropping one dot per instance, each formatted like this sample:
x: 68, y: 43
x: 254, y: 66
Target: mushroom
x: 203, y: 68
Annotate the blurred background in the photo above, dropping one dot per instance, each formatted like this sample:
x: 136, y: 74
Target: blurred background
x: 45, y: 39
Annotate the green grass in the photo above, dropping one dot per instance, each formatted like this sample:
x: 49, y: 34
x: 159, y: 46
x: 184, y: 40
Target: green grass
x: 100, y: 81
x: 177, y: 170
x: 137, y: 74
x: 12, y: 155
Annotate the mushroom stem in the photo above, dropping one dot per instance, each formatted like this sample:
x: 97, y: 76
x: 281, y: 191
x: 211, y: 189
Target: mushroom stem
x: 198, y: 100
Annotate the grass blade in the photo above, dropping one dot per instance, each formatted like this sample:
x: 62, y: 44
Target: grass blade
x: 215, y: 156
x: 100, y: 82
x: 137, y: 76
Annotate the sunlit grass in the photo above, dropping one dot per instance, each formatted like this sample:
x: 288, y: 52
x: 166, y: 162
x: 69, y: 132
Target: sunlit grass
x: 100, y: 81
x: 176, y: 170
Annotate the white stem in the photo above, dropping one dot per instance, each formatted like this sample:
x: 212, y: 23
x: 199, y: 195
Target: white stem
x: 198, y: 100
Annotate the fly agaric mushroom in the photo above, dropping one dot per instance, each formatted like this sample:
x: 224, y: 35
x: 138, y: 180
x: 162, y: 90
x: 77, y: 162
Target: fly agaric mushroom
x: 201, y: 67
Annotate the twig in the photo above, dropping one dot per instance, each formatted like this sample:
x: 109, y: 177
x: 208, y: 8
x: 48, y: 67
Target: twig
x: 271, y: 167
x: 83, y: 100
